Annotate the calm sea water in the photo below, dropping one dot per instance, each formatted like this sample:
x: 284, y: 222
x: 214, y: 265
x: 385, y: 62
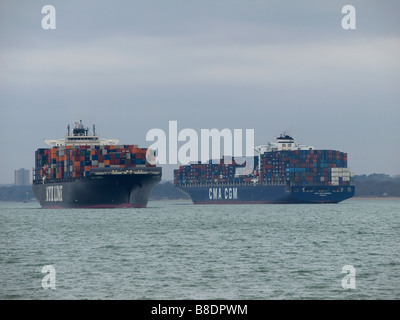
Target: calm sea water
x: 176, y: 250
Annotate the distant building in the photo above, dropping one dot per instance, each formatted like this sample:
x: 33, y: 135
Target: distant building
x: 21, y: 177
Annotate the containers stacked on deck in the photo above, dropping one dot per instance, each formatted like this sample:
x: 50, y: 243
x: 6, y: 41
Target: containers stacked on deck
x: 76, y: 161
x: 221, y: 172
x: 300, y: 167
x: 305, y: 167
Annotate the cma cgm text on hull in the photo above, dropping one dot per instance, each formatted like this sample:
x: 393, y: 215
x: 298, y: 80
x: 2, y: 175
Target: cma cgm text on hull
x: 283, y: 172
x: 85, y: 171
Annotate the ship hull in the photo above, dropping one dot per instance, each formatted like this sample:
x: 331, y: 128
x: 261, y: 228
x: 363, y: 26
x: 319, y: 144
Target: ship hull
x: 264, y: 194
x: 100, y: 190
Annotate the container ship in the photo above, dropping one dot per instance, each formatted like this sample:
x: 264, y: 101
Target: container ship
x: 86, y: 171
x: 283, y: 172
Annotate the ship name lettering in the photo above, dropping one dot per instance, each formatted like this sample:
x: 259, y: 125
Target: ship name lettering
x: 54, y: 193
x: 218, y: 194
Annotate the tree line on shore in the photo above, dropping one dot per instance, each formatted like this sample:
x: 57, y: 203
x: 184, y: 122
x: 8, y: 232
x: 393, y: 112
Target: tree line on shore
x: 373, y: 185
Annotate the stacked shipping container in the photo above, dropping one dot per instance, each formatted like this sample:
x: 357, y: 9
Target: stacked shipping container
x: 76, y: 161
x: 208, y: 173
x: 297, y: 167
x: 305, y: 167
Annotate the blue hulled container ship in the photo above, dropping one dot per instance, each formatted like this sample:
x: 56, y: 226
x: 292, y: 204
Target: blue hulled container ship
x: 283, y: 172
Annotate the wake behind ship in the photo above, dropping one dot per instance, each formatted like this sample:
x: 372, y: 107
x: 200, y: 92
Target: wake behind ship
x: 85, y: 171
x: 284, y: 172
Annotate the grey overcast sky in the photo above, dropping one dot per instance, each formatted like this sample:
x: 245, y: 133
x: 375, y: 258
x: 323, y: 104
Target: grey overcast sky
x: 271, y: 66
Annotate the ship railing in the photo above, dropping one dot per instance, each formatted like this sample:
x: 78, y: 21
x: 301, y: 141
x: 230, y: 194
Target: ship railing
x: 37, y: 178
x: 227, y: 184
x: 57, y: 180
x: 264, y: 183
